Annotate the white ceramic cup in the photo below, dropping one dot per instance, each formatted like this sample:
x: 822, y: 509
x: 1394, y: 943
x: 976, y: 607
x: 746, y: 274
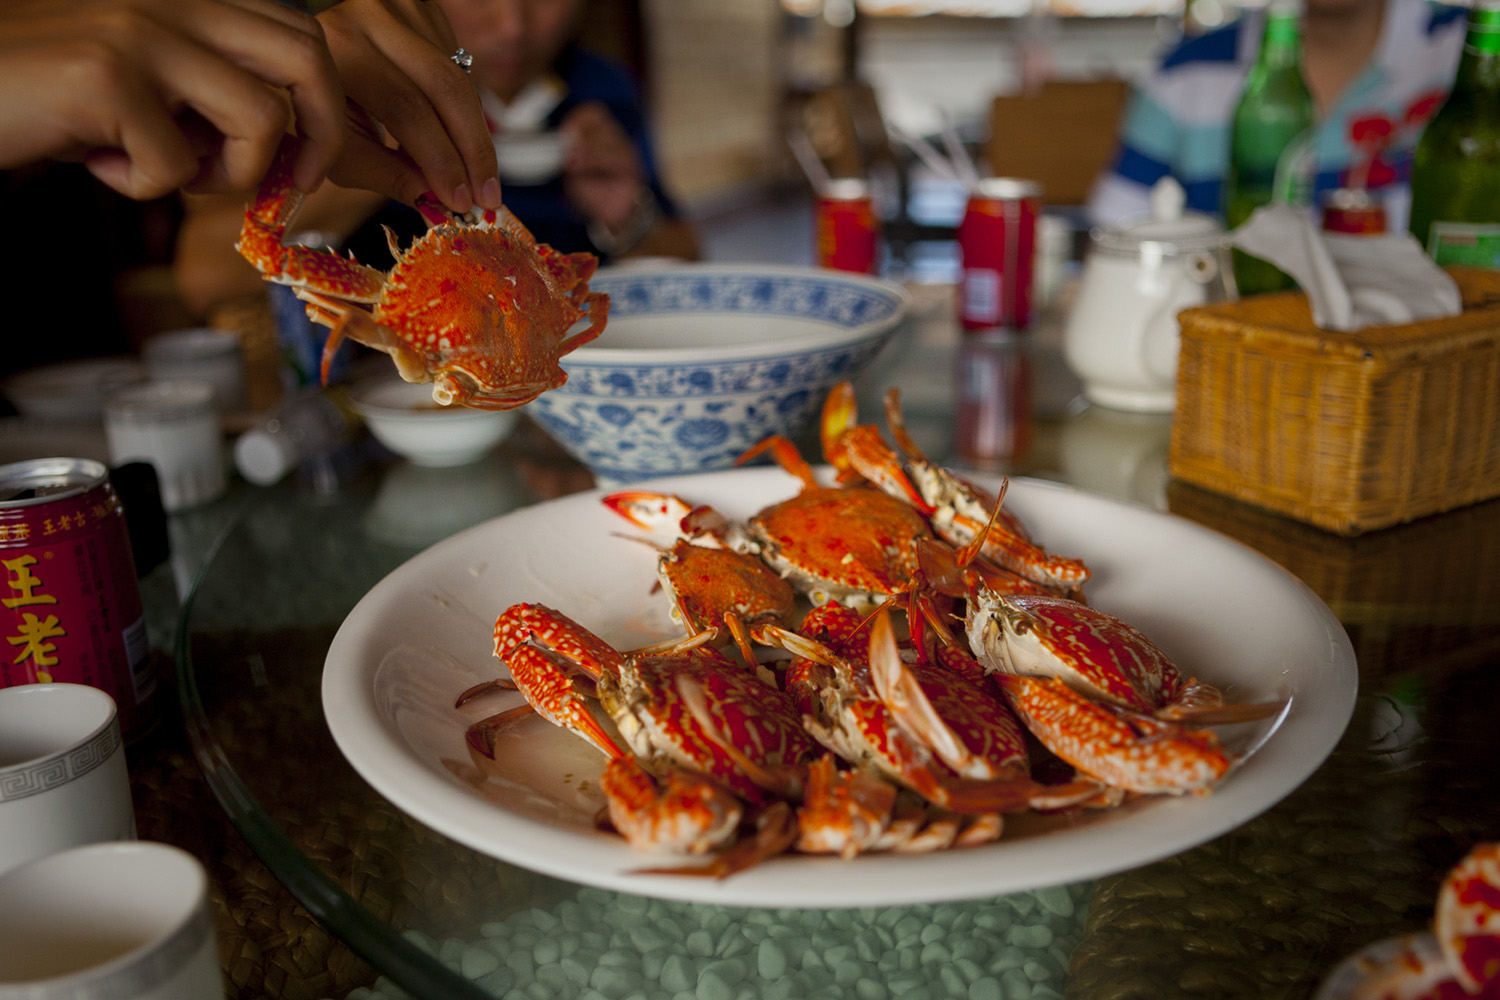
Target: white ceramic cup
x: 117, y: 921
x: 175, y: 427
x: 62, y: 771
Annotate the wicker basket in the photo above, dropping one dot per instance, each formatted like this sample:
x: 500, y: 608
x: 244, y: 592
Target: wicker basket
x: 1346, y: 431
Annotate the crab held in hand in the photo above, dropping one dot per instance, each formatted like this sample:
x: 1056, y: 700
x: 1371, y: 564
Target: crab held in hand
x: 475, y: 305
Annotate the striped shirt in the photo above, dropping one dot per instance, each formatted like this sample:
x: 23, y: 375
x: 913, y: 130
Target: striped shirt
x: 1178, y: 119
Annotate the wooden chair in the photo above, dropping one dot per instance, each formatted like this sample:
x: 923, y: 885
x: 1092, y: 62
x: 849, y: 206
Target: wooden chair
x: 843, y: 124
x: 1062, y: 137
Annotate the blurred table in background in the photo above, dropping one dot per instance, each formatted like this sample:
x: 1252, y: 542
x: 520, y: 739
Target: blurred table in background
x: 322, y: 886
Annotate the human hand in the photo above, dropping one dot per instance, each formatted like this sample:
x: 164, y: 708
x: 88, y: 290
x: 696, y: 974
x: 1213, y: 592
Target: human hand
x: 394, y: 59
x: 603, y: 175
x: 157, y: 95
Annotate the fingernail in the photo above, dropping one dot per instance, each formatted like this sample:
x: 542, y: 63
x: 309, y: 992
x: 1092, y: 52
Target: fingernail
x: 489, y: 194
x: 463, y: 200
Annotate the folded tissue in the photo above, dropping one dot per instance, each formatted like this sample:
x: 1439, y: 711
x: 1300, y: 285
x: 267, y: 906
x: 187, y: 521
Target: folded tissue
x: 1351, y: 281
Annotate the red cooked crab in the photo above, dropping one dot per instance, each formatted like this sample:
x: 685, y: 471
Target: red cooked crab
x: 476, y: 305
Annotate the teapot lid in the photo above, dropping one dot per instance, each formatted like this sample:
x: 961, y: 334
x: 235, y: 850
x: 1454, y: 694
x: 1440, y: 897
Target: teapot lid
x: 1178, y: 230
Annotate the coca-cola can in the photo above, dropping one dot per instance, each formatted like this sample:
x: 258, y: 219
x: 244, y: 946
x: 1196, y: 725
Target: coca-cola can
x: 997, y: 254
x: 73, y: 604
x: 848, y: 229
x: 992, y: 422
x: 1353, y: 211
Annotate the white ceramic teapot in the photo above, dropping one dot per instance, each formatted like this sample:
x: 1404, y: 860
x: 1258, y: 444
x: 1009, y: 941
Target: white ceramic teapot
x: 1122, y: 336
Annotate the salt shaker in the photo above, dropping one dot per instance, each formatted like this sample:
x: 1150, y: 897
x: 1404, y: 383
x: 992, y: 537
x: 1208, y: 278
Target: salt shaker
x: 305, y: 425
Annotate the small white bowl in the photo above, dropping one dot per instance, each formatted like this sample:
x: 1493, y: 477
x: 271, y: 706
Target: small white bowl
x: 698, y: 362
x: 71, y: 391
x: 403, y: 417
x: 531, y: 157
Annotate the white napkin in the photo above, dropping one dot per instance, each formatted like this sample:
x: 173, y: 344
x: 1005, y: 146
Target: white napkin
x: 1351, y: 281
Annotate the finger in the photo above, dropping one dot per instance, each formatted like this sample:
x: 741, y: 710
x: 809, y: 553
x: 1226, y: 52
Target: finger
x: 148, y: 156
x: 251, y: 115
x: 374, y: 167
x: 398, y: 69
x: 282, y: 49
x: 287, y: 15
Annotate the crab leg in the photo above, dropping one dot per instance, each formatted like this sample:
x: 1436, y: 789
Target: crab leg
x: 774, y: 832
x: 786, y: 455
x: 987, y: 724
x: 843, y: 711
x: 266, y: 221
x: 960, y: 511
x: 1121, y: 748
x: 682, y: 813
x: 858, y: 450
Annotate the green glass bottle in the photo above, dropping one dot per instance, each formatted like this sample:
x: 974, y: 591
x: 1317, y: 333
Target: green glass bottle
x: 1270, y: 142
x: 1455, y: 182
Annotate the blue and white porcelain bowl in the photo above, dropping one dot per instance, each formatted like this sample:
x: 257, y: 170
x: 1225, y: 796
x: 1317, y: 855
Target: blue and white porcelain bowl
x: 699, y: 361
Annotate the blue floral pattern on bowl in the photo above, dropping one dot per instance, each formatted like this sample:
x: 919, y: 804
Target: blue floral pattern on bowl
x: 630, y: 421
x: 813, y: 296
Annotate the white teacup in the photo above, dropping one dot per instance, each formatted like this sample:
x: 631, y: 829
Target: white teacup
x: 124, y: 921
x: 63, y: 780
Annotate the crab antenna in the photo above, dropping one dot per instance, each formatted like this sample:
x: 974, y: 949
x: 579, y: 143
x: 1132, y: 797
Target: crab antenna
x: 970, y: 552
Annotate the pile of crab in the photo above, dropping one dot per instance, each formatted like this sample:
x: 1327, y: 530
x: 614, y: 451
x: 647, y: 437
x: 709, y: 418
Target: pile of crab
x: 890, y: 663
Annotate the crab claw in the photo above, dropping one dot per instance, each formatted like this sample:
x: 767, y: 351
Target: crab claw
x: 1124, y: 749
x: 545, y: 650
x: 649, y: 510
x: 858, y: 450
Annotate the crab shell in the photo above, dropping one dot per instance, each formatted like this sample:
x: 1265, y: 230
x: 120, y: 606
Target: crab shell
x: 852, y: 546
x: 1094, y: 653
x: 844, y: 709
x: 474, y: 306
x: 1468, y: 919
x: 646, y: 702
x: 705, y: 584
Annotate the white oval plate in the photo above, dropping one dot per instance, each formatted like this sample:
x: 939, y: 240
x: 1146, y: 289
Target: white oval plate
x: 424, y: 634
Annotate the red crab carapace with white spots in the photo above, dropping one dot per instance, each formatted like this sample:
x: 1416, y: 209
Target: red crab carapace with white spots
x: 475, y: 305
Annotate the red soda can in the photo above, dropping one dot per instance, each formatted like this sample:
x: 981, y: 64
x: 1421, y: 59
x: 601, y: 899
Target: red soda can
x: 73, y: 605
x: 997, y: 253
x: 848, y: 231
x: 1353, y: 211
x: 992, y: 423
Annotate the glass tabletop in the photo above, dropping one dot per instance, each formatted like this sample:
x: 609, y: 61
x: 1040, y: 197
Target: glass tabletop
x: 1352, y: 855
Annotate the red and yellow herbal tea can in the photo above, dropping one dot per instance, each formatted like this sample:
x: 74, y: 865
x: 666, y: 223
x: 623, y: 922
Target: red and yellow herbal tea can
x: 73, y: 610
x: 848, y: 230
x: 997, y: 254
x: 1353, y: 211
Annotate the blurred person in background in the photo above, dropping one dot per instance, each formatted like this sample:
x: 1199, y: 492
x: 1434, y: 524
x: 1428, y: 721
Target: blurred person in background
x: 113, y: 106
x: 1377, y: 71
x: 608, y: 199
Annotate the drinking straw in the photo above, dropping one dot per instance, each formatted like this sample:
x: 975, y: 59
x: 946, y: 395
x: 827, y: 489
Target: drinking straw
x: 967, y: 172
x: 808, y: 160
x: 928, y: 155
